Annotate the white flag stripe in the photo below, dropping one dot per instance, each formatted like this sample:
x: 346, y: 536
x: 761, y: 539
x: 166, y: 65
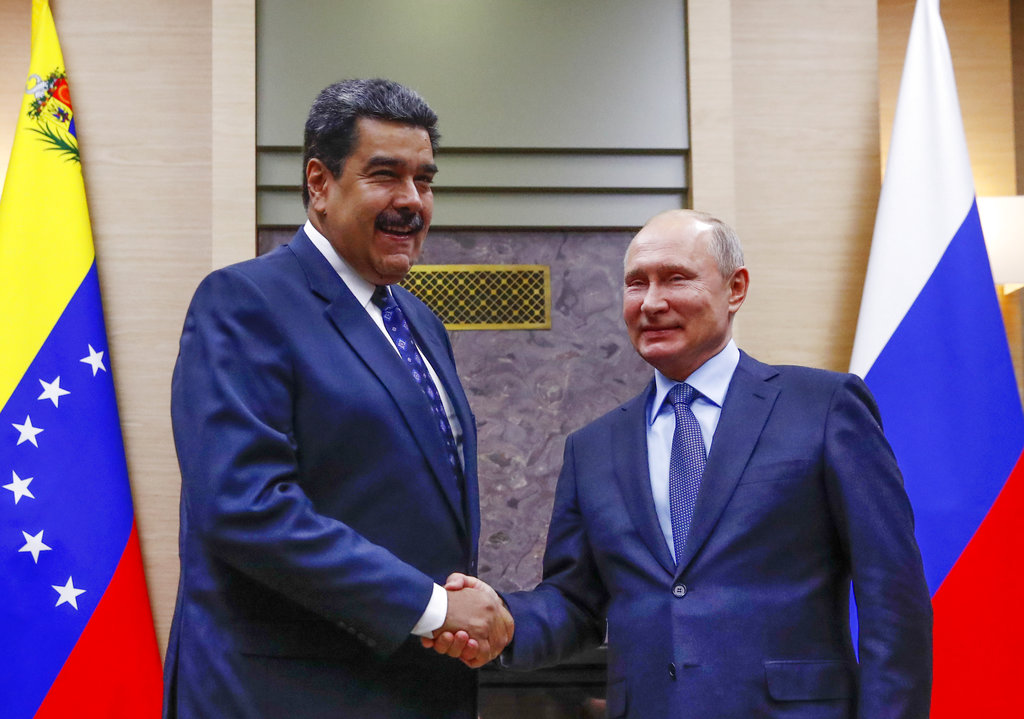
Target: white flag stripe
x: 927, y: 192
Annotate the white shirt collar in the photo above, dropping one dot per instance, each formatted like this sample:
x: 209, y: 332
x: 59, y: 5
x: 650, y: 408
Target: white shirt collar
x: 711, y: 379
x: 362, y: 289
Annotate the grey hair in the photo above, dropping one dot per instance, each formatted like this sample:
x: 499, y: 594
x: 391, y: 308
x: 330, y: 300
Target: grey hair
x: 723, y: 243
x: 330, y: 134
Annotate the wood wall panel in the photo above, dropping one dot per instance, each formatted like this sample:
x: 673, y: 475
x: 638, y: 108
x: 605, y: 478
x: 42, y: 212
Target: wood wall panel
x: 141, y: 81
x: 15, y: 19
x: 979, y: 35
x: 803, y: 182
x: 712, y: 111
x: 233, y: 106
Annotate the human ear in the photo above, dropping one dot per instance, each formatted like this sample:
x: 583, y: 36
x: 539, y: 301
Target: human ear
x: 738, y: 285
x: 317, y: 176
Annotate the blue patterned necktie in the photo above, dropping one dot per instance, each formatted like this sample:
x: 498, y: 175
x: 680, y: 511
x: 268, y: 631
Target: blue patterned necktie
x: 685, y: 465
x: 401, y: 335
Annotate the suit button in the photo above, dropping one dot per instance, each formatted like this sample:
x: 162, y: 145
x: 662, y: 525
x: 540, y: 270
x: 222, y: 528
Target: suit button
x: 679, y: 590
x: 672, y: 671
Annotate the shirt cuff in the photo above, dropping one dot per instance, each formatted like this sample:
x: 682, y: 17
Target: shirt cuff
x: 433, y: 616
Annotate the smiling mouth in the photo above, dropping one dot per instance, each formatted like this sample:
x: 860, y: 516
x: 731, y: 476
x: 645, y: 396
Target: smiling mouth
x: 400, y: 224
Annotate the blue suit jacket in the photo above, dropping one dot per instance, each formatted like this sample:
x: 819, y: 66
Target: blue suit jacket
x: 801, y: 494
x: 317, y: 504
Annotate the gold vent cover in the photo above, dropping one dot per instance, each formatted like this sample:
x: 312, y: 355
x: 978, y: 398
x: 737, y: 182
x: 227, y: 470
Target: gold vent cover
x: 485, y: 297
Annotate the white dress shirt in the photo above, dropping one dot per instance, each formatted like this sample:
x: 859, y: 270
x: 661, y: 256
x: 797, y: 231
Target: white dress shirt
x: 437, y: 608
x: 712, y: 380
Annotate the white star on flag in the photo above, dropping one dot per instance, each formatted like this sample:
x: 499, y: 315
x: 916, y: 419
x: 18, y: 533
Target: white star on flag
x: 52, y: 391
x: 19, y: 487
x: 68, y: 594
x: 35, y: 546
x: 94, y: 360
x: 28, y: 432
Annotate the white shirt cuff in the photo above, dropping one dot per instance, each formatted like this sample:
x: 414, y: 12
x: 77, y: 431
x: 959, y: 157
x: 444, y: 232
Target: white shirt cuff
x: 433, y: 616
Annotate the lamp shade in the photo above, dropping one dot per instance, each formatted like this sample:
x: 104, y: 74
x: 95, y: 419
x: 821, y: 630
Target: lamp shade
x: 1002, y: 221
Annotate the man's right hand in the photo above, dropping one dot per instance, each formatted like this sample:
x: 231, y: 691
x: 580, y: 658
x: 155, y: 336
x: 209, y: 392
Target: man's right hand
x: 477, y: 627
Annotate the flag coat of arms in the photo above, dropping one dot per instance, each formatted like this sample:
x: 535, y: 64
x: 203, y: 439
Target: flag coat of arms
x: 76, y: 630
x: 932, y: 347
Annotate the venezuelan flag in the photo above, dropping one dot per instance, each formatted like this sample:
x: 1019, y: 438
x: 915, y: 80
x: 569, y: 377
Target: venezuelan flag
x: 932, y: 347
x: 76, y: 631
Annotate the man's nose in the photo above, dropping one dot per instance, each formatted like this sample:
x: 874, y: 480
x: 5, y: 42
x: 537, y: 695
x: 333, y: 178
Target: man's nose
x: 407, y: 196
x: 654, y: 299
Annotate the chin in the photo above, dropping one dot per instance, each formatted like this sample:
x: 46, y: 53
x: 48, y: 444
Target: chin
x: 394, y: 269
x: 653, y: 351
x: 664, y: 360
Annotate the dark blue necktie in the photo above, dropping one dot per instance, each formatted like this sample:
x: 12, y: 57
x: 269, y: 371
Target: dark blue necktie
x: 401, y: 335
x: 685, y: 465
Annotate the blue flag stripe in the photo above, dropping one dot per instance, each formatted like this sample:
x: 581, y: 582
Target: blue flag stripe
x: 947, y: 393
x: 81, y: 501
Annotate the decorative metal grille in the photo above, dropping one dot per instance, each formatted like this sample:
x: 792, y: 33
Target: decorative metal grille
x: 485, y: 297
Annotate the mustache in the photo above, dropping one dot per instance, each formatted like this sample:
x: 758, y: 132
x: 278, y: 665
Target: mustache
x: 397, y: 220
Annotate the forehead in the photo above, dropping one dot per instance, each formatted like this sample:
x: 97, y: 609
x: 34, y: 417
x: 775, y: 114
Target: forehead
x: 669, y: 244
x: 391, y: 139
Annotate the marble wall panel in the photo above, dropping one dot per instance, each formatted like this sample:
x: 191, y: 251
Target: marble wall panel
x: 531, y: 388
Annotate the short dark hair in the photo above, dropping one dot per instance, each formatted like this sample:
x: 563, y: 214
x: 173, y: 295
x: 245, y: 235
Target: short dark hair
x: 330, y: 134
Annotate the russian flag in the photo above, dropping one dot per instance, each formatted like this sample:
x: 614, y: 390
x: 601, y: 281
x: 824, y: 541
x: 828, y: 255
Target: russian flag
x: 76, y: 630
x: 932, y: 347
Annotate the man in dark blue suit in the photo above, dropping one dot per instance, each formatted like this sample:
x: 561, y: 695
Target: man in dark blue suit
x: 716, y: 521
x: 328, y: 453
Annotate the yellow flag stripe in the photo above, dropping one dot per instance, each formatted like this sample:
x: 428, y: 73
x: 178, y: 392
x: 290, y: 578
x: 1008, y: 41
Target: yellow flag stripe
x: 46, y: 245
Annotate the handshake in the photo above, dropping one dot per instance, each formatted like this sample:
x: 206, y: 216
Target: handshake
x: 477, y: 627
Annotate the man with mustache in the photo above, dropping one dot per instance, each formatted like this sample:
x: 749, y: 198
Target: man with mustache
x: 712, y: 525
x: 328, y: 453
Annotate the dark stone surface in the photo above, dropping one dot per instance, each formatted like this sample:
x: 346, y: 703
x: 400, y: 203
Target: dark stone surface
x: 531, y: 388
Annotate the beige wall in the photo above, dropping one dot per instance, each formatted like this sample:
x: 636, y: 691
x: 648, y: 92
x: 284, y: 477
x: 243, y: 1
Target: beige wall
x: 15, y: 16
x: 979, y: 35
x: 791, y: 103
x: 142, y: 81
x: 784, y: 134
x: 785, y: 138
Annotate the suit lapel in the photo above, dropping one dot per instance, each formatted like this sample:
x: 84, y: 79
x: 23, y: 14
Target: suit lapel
x: 367, y: 341
x: 747, y: 405
x: 629, y: 438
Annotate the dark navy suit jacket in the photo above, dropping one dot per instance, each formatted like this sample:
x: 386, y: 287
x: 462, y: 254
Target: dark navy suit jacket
x: 317, y: 504
x: 800, y: 496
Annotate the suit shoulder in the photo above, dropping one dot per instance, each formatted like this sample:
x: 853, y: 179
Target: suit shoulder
x: 261, y: 268
x: 826, y: 385
x: 809, y: 381
x: 791, y: 374
x: 809, y: 375
x: 258, y: 275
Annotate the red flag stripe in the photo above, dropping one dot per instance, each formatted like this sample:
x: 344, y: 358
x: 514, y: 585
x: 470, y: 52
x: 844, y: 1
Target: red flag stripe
x: 978, y: 635
x: 114, y: 670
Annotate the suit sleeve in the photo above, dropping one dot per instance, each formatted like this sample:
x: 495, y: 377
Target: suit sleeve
x: 231, y: 409
x: 564, y: 614
x: 876, y: 526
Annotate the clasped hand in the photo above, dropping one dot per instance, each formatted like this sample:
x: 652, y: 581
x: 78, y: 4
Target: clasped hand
x: 477, y: 627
